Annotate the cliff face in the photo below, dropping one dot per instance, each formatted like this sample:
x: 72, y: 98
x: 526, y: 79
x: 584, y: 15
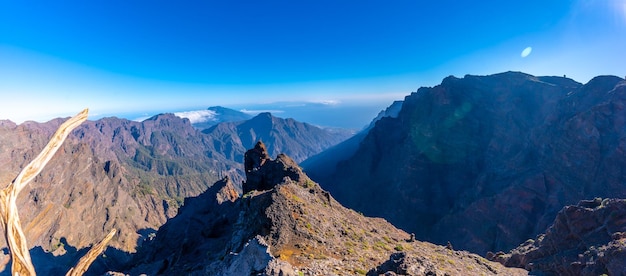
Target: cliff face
x: 487, y: 161
x: 291, y: 227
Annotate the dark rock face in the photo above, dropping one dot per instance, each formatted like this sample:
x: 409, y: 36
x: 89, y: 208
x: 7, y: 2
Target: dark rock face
x: 585, y: 239
x: 253, y: 160
x: 263, y: 173
x: 401, y: 264
x: 486, y: 162
x: 298, y: 140
x: 293, y: 228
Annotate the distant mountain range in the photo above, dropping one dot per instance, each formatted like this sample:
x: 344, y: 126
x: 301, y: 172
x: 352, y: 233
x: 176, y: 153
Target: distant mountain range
x: 296, y: 139
x: 486, y: 162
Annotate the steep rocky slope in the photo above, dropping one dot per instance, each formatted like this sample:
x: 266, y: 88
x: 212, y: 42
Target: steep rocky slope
x: 486, y: 162
x: 585, y: 239
x: 300, y: 140
x: 291, y: 227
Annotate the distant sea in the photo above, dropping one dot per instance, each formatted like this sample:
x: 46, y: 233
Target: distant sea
x: 354, y: 116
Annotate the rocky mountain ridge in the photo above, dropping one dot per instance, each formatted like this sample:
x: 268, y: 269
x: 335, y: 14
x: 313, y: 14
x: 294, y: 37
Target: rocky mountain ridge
x: 291, y: 227
x: 486, y: 162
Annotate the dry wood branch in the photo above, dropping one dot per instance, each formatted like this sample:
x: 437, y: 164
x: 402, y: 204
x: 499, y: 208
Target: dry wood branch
x: 84, y: 262
x: 35, y: 166
x: 22, y: 263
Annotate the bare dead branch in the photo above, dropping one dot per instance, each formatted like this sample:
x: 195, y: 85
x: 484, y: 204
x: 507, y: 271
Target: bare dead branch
x: 16, y: 240
x: 84, y: 262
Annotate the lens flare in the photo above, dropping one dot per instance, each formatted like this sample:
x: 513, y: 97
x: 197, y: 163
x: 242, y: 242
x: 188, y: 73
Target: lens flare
x: 526, y: 52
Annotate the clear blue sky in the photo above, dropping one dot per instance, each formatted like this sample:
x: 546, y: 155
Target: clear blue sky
x: 116, y: 57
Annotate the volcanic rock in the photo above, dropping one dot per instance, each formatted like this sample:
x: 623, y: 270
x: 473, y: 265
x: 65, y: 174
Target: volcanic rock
x: 585, y: 239
x: 262, y: 173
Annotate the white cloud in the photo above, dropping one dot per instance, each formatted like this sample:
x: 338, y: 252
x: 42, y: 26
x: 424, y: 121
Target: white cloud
x: 142, y: 118
x: 198, y: 116
x: 327, y: 102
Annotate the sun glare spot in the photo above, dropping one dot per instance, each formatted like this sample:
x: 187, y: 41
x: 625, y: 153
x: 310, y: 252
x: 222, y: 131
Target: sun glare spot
x: 618, y: 8
x: 526, y: 52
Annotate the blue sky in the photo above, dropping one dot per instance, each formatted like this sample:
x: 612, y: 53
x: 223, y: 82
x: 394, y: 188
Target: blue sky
x: 131, y: 57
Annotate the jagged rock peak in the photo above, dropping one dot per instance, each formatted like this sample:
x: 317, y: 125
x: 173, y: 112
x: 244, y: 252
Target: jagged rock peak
x: 263, y: 173
x: 255, y: 157
x: 264, y: 117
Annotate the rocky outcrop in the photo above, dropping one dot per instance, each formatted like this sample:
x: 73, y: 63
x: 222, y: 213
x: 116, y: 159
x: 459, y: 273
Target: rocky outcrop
x: 254, y: 159
x: 486, y: 162
x: 293, y: 228
x: 585, y: 239
x: 263, y: 173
